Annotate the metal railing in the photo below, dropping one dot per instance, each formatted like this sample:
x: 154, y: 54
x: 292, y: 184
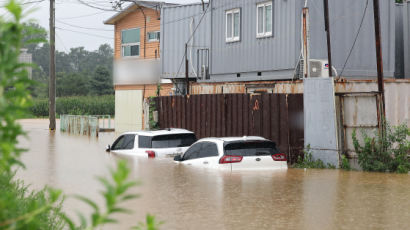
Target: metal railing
x: 84, y: 125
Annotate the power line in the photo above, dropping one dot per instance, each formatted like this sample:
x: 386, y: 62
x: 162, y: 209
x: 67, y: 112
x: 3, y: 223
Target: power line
x: 80, y: 32
x: 81, y: 27
x: 85, y: 15
x: 355, y: 40
x: 96, y: 7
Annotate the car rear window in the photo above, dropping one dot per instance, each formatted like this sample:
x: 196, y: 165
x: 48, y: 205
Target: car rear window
x: 250, y: 148
x: 167, y: 141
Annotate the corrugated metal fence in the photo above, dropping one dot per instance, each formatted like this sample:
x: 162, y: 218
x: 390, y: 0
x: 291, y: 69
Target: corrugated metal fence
x: 278, y: 117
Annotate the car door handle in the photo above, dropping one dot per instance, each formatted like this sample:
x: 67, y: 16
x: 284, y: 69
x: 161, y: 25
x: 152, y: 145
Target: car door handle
x: 205, y: 162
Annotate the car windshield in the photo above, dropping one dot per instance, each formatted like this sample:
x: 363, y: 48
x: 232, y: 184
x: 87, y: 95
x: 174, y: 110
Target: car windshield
x: 250, y: 148
x: 167, y: 141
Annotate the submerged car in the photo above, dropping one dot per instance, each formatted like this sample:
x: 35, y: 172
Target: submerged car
x: 234, y: 153
x: 158, y: 143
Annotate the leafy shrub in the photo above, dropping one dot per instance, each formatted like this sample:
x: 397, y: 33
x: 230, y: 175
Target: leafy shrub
x: 19, y: 207
x: 306, y: 161
x: 345, y: 163
x: 387, y: 151
x: 80, y: 105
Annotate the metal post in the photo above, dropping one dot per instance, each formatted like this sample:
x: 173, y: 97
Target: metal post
x: 186, y: 69
x: 52, y: 80
x: 380, y: 82
x: 306, y: 66
x: 327, y: 28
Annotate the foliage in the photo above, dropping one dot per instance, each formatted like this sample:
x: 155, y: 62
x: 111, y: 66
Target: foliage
x: 101, y: 82
x: 345, y: 163
x: 77, y: 70
x: 20, y: 208
x: 80, y: 105
x: 116, y: 192
x: 150, y: 224
x: 387, y: 151
x: 14, y: 98
x: 152, y: 107
x: 307, y: 161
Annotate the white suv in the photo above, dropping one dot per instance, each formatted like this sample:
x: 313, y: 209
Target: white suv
x: 234, y: 153
x: 158, y: 143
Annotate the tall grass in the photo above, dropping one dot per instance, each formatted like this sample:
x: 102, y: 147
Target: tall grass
x: 79, y: 105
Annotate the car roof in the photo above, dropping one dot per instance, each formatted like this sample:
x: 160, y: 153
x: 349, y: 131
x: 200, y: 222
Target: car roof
x: 233, y: 139
x: 160, y: 132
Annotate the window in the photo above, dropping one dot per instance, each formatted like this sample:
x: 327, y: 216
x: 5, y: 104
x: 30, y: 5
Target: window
x: 192, y: 152
x: 264, y: 19
x: 124, y: 142
x: 208, y: 149
x: 173, y: 141
x: 130, y: 42
x: 233, y: 25
x: 251, y: 148
x: 166, y: 141
x: 153, y: 36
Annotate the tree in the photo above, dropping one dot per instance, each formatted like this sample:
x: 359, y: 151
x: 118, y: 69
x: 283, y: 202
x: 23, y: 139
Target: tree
x: 101, y: 82
x: 72, y: 84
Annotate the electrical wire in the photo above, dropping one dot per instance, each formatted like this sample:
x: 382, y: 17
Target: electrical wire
x: 81, y: 27
x: 80, y: 32
x: 357, y: 35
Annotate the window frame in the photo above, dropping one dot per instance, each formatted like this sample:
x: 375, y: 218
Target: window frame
x: 264, y: 34
x: 233, y: 38
x: 157, y: 37
x: 123, y: 45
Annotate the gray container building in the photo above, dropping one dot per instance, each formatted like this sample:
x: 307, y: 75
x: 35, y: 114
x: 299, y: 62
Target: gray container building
x: 251, y: 50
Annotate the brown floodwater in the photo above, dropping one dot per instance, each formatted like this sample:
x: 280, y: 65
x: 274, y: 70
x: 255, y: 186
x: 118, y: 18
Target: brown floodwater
x: 189, y: 198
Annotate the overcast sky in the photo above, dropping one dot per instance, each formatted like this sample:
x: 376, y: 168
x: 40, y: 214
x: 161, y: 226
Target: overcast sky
x: 76, y: 24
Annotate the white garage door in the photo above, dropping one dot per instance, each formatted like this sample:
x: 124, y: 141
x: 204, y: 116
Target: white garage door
x: 128, y: 110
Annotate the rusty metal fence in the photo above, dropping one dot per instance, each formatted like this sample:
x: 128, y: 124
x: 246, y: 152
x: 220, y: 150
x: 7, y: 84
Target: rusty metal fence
x: 278, y: 117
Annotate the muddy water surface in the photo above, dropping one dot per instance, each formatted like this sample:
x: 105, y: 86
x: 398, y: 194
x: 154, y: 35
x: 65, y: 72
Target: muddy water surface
x: 188, y: 198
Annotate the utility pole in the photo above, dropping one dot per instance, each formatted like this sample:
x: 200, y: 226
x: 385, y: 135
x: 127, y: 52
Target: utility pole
x: 306, y: 42
x: 380, y: 83
x: 52, y: 80
x: 186, y: 69
x: 329, y: 47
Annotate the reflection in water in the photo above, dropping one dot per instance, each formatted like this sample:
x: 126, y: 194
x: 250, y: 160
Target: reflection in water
x: 190, y: 198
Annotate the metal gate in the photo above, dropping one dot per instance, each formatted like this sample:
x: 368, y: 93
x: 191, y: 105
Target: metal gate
x: 278, y: 117
x: 359, y: 111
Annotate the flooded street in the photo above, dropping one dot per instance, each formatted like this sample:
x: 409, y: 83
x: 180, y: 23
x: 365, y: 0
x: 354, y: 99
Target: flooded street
x: 188, y: 198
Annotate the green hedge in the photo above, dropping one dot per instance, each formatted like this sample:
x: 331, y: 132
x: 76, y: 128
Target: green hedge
x: 81, y: 105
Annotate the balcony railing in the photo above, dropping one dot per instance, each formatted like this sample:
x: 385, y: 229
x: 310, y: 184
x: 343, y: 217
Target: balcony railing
x: 136, y: 71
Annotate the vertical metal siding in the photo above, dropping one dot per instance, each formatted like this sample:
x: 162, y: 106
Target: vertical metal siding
x: 252, y: 54
x: 399, y: 49
x: 406, y: 37
x: 345, y: 17
x: 175, y: 31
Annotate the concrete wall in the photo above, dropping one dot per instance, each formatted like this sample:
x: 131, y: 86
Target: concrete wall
x: 128, y: 110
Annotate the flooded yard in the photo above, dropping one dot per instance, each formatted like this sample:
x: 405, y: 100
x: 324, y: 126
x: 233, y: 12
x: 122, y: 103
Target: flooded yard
x: 187, y: 198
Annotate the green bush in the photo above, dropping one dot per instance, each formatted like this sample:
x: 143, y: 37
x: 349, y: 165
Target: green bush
x: 307, y: 161
x: 80, y: 105
x: 387, y: 151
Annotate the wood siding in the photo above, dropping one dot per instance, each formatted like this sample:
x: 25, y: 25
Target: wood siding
x: 136, y: 20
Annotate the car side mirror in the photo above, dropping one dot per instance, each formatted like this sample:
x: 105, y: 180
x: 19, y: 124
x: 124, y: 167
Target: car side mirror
x: 108, y: 148
x: 178, y: 158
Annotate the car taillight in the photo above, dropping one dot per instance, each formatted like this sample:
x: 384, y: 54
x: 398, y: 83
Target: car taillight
x: 230, y: 159
x: 279, y: 157
x: 151, y: 154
